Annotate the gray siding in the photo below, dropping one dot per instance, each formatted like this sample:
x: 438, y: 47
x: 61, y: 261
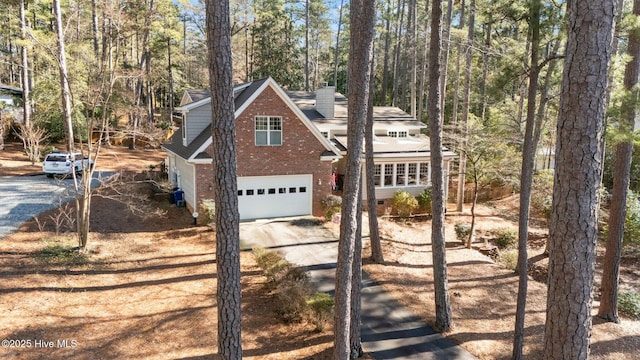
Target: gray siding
x: 197, y: 120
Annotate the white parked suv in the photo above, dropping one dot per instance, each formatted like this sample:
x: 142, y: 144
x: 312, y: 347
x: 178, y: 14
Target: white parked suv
x: 64, y: 163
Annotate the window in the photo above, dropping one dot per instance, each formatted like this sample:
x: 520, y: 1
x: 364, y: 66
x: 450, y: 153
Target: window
x: 400, y: 174
x: 424, y: 173
x: 260, y: 191
x: 411, y: 174
x: 268, y: 130
x: 302, y: 189
x: 388, y: 175
x: 282, y: 190
x: 377, y: 172
x: 398, y: 133
x: 292, y: 190
x: 239, y: 192
x: 272, y: 191
x: 249, y: 192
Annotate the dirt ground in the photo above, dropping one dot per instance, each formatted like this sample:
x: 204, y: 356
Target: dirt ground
x: 148, y: 289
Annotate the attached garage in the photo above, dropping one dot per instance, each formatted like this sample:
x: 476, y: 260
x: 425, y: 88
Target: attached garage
x: 275, y: 196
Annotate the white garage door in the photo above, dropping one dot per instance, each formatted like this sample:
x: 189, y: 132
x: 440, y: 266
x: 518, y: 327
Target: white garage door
x: 274, y: 196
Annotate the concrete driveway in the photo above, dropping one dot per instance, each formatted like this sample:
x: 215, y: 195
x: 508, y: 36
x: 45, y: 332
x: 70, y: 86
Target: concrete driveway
x: 24, y: 197
x: 389, y: 330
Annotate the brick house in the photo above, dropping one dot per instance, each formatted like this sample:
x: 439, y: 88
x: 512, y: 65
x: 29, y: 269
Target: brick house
x: 290, y: 150
x: 284, y: 162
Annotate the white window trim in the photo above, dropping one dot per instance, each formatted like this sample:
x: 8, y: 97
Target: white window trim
x: 394, y: 175
x: 268, y: 131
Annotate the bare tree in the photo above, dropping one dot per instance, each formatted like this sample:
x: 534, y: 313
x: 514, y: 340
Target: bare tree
x: 526, y: 179
x: 444, y: 319
x: 574, y: 229
x: 362, y: 19
x: 32, y: 137
x: 227, y: 218
x: 26, y: 97
x: 466, y: 102
x: 617, y: 214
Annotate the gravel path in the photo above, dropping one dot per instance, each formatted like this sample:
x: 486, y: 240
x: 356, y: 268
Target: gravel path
x: 23, y: 197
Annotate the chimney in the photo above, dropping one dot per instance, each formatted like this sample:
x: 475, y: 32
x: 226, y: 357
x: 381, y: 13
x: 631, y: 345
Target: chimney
x: 325, y: 101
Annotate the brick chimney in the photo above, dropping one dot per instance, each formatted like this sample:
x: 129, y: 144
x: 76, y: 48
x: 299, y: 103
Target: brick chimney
x: 325, y: 101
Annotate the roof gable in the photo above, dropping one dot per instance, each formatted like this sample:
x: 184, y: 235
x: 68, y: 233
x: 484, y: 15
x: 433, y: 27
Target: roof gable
x: 244, y: 95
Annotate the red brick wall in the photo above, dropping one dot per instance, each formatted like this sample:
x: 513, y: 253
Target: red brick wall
x: 299, y: 153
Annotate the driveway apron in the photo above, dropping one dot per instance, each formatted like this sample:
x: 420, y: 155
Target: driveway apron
x: 388, y: 330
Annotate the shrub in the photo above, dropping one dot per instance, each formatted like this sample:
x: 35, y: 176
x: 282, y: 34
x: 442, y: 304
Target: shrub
x: 321, y: 306
x: 331, y: 204
x: 208, y: 207
x: 291, y: 302
x: 629, y: 304
x: 424, y: 201
x: 462, y: 231
x: 509, y: 259
x: 505, y: 238
x: 289, y: 283
x: 404, y: 204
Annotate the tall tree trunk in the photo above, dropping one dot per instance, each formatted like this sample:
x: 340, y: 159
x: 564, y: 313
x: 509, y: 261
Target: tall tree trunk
x: 466, y: 105
x: 617, y: 214
x: 94, y: 28
x: 224, y: 180
x: 577, y: 179
x: 335, y: 58
x: 372, y: 205
x: 445, y: 57
x: 444, y: 319
x: 396, y: 54
x: 385, y: 68
x: 26, y: 88
x: 485, y: 72
x: 64, y: 78
x: 413, y: 55
x: 171, y: 94
x: 362, y: 20
x: 306, y: 46
x: 526, y: 180
x: 356, y: 284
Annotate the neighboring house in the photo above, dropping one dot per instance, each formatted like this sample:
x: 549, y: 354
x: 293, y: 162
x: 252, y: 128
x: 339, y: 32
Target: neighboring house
x: 284, y: 163
x: 290, y: 149
x: 402, y: 154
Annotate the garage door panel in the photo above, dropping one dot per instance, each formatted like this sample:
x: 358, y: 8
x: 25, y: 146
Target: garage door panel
x: 274, y: 196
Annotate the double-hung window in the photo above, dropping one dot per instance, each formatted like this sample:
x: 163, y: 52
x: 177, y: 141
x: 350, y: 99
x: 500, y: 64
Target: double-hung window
x: 268, y: 130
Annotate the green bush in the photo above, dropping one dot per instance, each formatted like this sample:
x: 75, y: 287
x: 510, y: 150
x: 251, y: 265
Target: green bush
x: 321, y: 306
x: 404, y: 204
x: 332, y: 205
x: 629, y: 304
x: 424, y: 201
x: 509, y: 259
x: 462, y: 231
x: 505, y: 238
